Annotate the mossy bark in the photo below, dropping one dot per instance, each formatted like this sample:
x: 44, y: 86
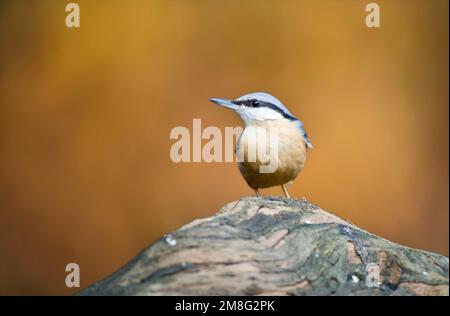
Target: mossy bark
x: 275, y: 246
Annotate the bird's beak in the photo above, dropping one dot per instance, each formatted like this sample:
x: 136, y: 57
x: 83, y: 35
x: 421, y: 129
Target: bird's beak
x: 225, y: 103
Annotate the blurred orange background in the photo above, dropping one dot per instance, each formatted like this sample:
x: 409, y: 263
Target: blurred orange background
x: 85, y: 117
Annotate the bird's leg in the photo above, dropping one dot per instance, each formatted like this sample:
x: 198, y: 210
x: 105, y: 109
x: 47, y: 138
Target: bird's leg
x: 286, y: 193
x: 258, y: 194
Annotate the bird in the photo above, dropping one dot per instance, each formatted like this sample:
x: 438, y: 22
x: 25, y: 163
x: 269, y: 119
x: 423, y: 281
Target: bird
x: 262, y: 110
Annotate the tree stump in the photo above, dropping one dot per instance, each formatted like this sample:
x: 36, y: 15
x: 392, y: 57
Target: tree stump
x: 276, y: 246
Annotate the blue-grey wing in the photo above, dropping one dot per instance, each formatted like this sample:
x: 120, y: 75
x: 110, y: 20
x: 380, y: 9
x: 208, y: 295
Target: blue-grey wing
x: 301, y: 127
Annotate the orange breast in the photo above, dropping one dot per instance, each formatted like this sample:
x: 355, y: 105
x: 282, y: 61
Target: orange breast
x: 283, y: 147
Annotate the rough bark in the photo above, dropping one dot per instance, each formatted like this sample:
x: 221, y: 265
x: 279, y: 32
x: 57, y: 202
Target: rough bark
x: 275, y: 246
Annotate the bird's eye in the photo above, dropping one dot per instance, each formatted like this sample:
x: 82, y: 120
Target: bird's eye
x: 255, y: 103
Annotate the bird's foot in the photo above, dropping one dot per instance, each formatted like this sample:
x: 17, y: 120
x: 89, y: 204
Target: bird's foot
x: 286, y: 193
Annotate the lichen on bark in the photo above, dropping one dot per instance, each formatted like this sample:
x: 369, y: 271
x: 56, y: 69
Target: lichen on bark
x: 275, y: 246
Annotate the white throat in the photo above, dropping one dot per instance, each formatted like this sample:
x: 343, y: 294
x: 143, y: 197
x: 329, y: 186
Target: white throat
x: 253, y: 116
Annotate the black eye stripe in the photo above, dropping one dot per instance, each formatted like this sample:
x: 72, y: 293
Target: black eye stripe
x: 260, y: 104
x: 253, y: 103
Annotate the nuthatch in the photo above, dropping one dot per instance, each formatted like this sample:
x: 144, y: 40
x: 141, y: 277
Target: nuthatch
x: 262, y: 110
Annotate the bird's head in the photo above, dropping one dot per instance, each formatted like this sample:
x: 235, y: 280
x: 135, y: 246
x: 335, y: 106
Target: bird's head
x: 258, y: 106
